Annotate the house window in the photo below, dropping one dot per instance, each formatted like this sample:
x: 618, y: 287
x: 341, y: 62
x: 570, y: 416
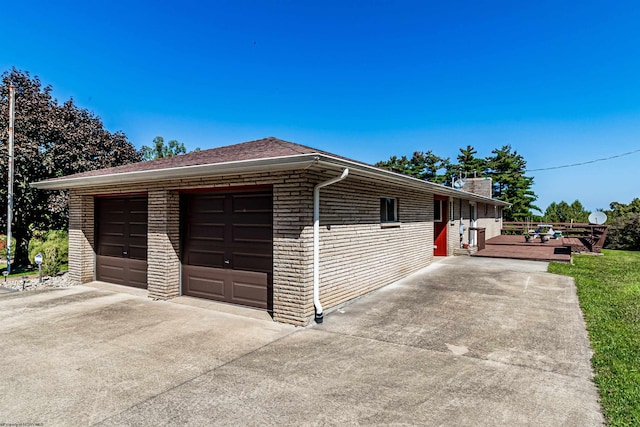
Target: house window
x: 437, y: 210
x: 388, y: 209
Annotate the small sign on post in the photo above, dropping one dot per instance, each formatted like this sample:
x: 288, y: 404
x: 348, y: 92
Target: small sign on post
x: 38, y: 260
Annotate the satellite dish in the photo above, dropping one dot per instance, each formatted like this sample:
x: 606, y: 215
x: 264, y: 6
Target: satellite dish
x: 598, y: 218
x: 459, y: 183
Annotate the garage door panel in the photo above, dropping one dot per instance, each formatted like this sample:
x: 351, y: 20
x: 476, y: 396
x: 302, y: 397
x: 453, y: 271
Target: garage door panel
x: 251, y: 218
x: 111, y: 250
x: 138, y: 245
x: 139, y: 253
x: 138, y: 230
x: 252, y: 233
x: 109, y: 270
x: 252, y: 262
x: 112, y: 228
x: 243, y: 203
x: 249, y: 288
x: 204, y: 282
x: 209, y: 204
x: 206, y: 232
x: 137, y: 274
x: 207, y: 259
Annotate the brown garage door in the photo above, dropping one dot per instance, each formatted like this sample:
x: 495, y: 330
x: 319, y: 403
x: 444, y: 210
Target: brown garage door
x: 227, y: 251
x: 122, y: 241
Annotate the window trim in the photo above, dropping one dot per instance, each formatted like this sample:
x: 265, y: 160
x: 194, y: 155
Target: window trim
x: 384, y: 211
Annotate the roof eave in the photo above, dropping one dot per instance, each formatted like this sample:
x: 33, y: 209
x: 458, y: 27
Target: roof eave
x: 213, y: 169
x: 260, y: 165
x: 405, y: 180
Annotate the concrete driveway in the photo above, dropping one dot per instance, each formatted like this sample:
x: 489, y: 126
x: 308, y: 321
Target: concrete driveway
x: 465, y: 342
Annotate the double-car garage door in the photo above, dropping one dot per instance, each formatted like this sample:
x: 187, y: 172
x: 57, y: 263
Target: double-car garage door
x: 226, y: 245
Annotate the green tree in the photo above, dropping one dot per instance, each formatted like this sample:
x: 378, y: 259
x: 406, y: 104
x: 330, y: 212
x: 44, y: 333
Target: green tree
x: 51, y: 140
x: 423, y: 165
x: 160, y: 150
x: 468, y: 166
x: 617, y: 209
x: 510, y: 184
x: 624, y: 225
x: 506, y: 167
x: 564, y: 212
x: 624, y: 232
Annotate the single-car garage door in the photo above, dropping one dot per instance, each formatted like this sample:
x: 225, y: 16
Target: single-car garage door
x: 121, y: 255
x: 227, y: 251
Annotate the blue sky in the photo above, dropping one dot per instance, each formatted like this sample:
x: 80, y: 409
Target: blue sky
x: 558, y: 81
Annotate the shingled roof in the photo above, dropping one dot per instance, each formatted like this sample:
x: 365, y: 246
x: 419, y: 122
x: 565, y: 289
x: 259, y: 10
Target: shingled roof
x: 259, y: 149
x: 268, y: 154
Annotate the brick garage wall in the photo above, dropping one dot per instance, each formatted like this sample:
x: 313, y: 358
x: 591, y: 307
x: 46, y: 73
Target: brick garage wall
x: 81, y: 238
x: 357, y: 253
x: 163, y: 244
x: 293, y: 249
x: 292, y: 235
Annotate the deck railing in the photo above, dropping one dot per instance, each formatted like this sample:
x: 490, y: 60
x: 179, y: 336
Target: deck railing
x: 593, y: 235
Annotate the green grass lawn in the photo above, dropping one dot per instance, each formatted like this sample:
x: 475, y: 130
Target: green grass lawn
x: 609, y: 293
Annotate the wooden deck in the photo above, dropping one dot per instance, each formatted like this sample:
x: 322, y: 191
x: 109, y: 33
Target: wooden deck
x: 515, y: 247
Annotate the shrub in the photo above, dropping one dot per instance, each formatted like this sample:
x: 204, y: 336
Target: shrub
x: 53, y: 245
x: 3, y: 246
x: 624, y: 232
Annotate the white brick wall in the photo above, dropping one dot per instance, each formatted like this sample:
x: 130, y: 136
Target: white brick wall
x: 357, y: 254
x: 81, y: 238
x: 163, y: 244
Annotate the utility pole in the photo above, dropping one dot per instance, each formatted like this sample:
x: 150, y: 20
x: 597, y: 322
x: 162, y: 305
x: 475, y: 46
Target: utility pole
x: 12, y: 101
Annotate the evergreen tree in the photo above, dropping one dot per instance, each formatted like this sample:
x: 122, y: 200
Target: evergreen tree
x: 468, y: 166
x: 422, y: 165
x: 507, y: 168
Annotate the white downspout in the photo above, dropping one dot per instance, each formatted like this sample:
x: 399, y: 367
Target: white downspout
x: 316, y: 242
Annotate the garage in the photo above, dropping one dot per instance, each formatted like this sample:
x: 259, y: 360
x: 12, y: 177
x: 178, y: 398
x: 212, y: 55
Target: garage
x: 227, y: 247
x: 121, y: 237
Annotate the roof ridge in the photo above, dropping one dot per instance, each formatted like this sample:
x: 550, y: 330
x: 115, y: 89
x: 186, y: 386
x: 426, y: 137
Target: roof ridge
x: 292, y: 145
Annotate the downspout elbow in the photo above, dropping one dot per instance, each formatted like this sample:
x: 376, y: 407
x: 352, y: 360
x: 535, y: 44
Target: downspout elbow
x: 319, y: 314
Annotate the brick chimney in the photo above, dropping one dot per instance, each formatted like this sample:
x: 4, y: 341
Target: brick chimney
x: 479, y: 186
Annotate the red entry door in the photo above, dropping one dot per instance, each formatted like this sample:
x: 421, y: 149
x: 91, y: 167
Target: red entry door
x: 440, y: 211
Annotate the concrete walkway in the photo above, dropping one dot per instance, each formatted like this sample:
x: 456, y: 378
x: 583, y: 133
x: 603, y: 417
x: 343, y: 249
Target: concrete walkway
x: 465, y: 342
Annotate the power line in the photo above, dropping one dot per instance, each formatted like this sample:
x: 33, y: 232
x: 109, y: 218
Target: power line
x: 585, y: 163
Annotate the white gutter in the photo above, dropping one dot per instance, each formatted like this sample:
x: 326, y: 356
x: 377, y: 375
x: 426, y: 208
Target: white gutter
x: 258, y: 165
x: 316, y: 242
x: 179, y: 172
x: 404, y: 180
